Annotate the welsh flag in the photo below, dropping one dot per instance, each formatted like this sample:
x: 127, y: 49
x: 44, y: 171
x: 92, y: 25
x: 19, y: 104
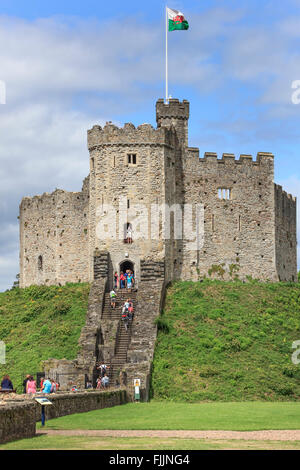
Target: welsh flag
x: 176, y: 20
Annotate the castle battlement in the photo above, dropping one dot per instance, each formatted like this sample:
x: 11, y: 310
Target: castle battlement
x: 51, y: 198
x: 229, y: 158
x: 248, y: 221
x: 173, y: 109
x: 280, y: 193
x: 144, y: 134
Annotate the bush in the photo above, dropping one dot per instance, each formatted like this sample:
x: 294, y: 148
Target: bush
x: 162, y: 325
x: 39, y: 292
x: 284, y: 390
x: 60, y: 308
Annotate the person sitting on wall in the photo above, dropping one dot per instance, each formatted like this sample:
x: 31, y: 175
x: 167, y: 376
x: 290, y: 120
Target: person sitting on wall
x: 6, y: 383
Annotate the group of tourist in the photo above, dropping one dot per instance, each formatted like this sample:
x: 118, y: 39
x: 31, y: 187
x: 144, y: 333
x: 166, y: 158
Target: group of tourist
x: 127, y: 309
x: 126, y: 280
x: 127, y: 313
x: 103, y: 379
x: 29, y: 385
x: 49, y: 385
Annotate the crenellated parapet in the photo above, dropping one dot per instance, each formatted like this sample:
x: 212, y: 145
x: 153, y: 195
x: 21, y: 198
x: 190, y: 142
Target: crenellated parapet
x: 133, y: 168
x: 285, y: 234
x: 145, y: 134
x: 174, y: 113
x: 173, y: 109
x: 52, y: 199
x: 281, y: 194
x: 229, y: 158
x: 54, y: 238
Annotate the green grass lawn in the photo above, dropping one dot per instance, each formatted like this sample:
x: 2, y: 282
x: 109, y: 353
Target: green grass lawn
x: 38, y: 323
x: 246, y: 416
x: 44, y: 442
x: 228, y: 341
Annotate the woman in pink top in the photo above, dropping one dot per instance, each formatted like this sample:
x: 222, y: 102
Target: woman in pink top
x: 31, y: 385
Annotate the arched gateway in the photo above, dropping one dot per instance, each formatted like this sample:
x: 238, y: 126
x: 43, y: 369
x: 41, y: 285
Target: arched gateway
x: 124, y: 265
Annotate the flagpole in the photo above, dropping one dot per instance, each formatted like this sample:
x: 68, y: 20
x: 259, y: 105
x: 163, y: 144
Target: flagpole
x: 167, y: 94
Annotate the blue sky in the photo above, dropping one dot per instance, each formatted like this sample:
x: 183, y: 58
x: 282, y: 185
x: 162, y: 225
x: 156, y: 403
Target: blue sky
x: 68, y: 65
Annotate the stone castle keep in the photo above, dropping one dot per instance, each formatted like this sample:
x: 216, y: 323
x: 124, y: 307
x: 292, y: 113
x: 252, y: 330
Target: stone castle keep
x: 247, y: 226
x: 249, y: 222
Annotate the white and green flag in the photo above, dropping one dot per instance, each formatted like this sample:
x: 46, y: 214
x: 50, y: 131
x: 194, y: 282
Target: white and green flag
x: 177, y: 20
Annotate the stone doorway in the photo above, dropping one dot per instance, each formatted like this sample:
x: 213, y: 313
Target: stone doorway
x: 126, y: 265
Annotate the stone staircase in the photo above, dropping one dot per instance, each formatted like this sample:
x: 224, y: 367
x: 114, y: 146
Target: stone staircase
x: 152, y: 270
x: 123, y: 336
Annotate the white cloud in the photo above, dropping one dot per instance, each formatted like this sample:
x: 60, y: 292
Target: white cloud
x: 63, y: 76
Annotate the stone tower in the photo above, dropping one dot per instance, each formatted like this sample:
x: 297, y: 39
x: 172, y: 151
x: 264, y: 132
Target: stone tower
x: 150, y: 181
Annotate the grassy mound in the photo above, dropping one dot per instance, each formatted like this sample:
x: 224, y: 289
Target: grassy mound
x: 38, y: 323
x: 228, y: 341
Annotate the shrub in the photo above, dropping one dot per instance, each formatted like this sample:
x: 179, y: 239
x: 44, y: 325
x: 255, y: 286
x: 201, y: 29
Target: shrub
x: 162, y: 325
x: 284, y: 390
x: 289, y: 371
x: 60, y: 307
x: 39, y: 292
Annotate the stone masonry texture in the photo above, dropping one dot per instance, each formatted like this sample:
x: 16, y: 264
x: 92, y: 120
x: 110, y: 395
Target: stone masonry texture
x: 18, y: 417
x: 251, y: 231
x: 190, y: 218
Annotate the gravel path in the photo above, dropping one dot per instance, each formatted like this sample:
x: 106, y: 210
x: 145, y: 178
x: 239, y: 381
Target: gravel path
x: 271, y: 435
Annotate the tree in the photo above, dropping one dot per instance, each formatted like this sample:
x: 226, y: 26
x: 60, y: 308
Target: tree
x: 16, y: 284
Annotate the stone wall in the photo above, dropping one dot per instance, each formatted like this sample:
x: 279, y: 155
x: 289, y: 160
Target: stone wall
x: 123, y: 192
x: 245, y: 234
x: 140, y: 354
x: 239, y: 232
x: 174, y: 113
x: 286, y: 240
x: 81, y: 402
x: 54, y: 238
x: 18, y: 419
